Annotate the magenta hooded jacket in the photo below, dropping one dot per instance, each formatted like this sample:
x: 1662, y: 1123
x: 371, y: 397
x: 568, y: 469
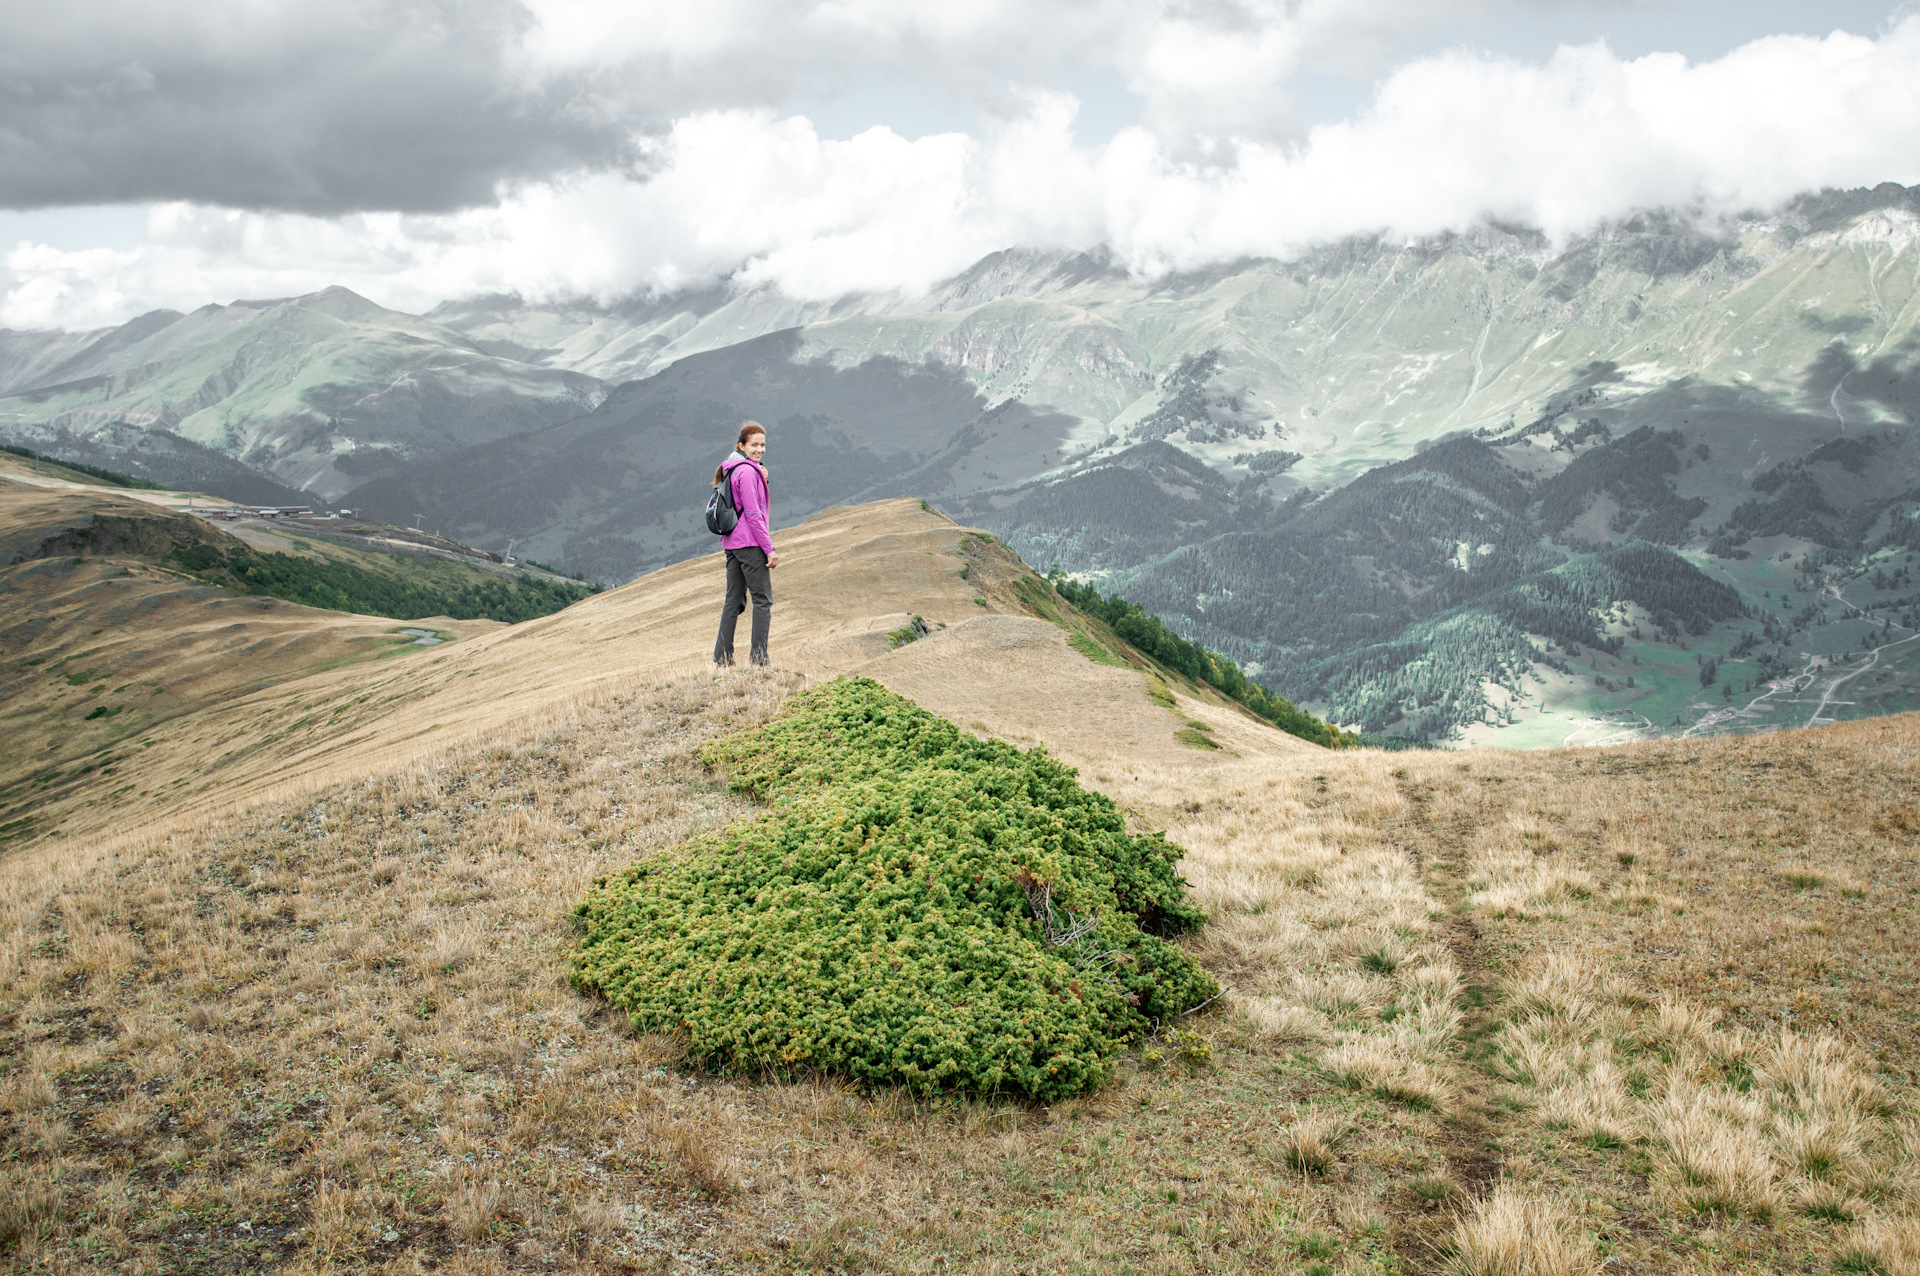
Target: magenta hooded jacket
x: 750, y: 498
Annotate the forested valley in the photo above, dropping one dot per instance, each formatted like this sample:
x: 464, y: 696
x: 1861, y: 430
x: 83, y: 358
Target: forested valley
x: 1451, y: 589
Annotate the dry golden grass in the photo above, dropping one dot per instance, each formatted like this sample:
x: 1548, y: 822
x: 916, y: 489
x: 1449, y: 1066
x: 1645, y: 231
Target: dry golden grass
x: 1308, y: 1145
x: 127, y: 689
x: 1510, y: 1234
x: 1891, y: 1246
x: 335, y: 1034
x: 229, y: 701
x: 1490, y: 926
x: 1663, y: 987
x: 339, y: 1030
x: 1734, y: 1125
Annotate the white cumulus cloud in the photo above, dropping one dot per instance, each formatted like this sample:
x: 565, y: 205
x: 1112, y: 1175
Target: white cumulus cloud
x: 745, y: 192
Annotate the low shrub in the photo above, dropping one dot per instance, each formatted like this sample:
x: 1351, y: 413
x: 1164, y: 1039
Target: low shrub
x: 916, y: 907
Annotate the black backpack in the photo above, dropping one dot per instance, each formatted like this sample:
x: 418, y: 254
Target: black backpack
x: 722, y: 515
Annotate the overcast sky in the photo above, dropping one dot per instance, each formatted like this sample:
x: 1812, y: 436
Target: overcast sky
x: 165, y: 154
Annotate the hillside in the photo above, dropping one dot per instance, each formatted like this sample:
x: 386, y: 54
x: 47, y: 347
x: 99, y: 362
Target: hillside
x: 1729, y: 402
x: 315, y: 394
x: 1272, y: 376
x: 1644, y: 1004
x: 127, y: 619
x: 271, y: 692
x: 1522, y: 592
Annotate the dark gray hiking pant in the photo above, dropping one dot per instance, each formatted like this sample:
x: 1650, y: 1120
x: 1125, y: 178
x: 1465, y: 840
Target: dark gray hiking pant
x: 746, y: 574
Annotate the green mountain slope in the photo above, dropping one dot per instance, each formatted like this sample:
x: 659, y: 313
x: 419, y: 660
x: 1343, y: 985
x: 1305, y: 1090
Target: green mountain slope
x: 1484, y: 590
x: 318, y: 393
x: 368, y: 570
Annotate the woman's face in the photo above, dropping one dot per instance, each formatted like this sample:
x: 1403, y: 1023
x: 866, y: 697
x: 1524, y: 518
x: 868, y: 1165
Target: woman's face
x: 755, y: 447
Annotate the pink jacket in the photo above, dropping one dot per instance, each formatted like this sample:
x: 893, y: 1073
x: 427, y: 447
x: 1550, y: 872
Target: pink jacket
x: 750, y: 498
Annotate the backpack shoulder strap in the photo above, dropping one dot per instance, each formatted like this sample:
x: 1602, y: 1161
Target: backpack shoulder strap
x: 766, y: 492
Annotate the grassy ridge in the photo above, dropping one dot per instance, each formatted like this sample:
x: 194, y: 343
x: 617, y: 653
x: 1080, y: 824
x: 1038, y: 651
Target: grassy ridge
x: 342, y: 586
x: 113, y: 477
x: 1146, y: 633
x: 920, y: 907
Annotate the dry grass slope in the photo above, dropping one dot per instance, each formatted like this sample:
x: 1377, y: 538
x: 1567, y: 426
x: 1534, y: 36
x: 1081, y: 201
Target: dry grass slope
x: 114, y: 669
x: 1687, y: 1019
x: 247, y: 697
x: 1490, y: 1012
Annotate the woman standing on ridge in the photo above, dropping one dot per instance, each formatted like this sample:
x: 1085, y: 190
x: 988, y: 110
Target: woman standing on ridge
x: 750, y: 552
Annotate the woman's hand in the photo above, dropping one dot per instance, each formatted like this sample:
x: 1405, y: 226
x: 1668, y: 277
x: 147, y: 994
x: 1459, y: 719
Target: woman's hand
x: 773, y: 558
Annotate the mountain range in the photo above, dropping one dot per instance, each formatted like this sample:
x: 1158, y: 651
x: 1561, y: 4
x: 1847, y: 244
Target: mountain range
x: 1660, y: 479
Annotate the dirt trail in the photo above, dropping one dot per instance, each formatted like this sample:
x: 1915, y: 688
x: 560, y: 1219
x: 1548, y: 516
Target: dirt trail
x: 1438, y: 845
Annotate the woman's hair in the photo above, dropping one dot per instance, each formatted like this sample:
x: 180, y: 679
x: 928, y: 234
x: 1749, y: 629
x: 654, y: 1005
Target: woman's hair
x: 747, y: 430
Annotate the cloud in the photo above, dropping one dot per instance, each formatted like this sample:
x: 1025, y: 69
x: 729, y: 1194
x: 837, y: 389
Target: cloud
x: 325, y: 107
x: 319, y: 107
x: 1447, y: 141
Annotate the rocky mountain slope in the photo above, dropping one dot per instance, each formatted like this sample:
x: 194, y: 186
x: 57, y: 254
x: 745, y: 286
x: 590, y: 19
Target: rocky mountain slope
x: 1525, y: 413
x: 317, y: 393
